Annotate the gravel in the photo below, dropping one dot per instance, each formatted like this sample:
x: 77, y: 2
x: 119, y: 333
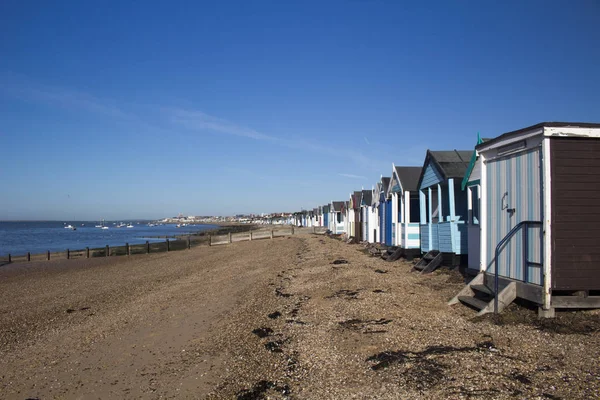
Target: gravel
x: 276, y: 319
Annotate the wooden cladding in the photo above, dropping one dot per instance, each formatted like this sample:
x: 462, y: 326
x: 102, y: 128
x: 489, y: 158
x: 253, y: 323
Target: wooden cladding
x: 575, y: 173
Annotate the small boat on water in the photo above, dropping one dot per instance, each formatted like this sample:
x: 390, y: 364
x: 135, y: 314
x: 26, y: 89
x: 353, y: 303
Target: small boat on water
x: 70, y: 227
x: 104, y: 227
x: 129, y: 225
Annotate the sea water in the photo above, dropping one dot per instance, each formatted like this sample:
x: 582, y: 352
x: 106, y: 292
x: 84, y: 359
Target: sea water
x: 20, y: 237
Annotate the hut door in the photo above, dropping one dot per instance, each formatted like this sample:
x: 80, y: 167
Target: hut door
x: 514, y: 195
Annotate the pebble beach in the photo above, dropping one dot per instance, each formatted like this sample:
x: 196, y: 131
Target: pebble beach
x: 301, y: 317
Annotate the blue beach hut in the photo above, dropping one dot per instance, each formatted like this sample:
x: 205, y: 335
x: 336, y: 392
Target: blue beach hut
x: 443, y: 204
x: 383, y: 228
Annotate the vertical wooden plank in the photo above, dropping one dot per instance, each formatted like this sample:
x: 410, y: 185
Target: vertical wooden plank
x: 28, y: 256
x: 87, y: 253
x: 107, y: 251
x: 406, y: 217
x: 469, y: 204
x: 451, y: 199
x: 168, y: 245
x: 271, y: 233
x: 127, y: 249
x: 250, y: 235
x: 210, y: 240
x: 189, y: 242
x: 9, y: 258
x: 48, y: 255
x: 440, y: 207
x: 423, y: 207
x: 230, y: 237
x: 430, y: 218
x: 68, y: 254
x: 147, y: 247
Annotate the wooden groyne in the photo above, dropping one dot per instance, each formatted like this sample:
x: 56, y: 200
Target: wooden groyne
x: 181, y: 243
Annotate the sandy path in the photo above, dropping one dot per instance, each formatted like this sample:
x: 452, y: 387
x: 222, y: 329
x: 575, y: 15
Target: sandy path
x: 276, y: 319
x: 139, y: 327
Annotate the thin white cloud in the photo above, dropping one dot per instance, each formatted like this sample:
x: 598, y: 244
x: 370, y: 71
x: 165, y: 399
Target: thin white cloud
x: 171, y: 120
x: 367, y: 141
x: 197, y: 120
x: 352, y: 176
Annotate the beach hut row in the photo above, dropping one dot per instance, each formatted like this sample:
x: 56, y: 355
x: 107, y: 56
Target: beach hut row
x: 521, y: 213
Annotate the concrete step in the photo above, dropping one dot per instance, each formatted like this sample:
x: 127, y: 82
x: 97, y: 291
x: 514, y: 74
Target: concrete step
x: 483, y: 289
x: 473, y: 302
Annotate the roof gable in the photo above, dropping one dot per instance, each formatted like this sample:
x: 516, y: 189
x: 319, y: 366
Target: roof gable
x: 472, y: 164
x: 405, y: 178
x: 366, y: 198
x: 442, y: 165
x: 337, y: 206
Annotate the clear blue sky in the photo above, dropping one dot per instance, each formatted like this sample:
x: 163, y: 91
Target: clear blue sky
x: 147, y: 109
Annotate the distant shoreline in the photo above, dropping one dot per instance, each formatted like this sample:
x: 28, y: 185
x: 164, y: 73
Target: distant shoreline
x: 196, y: 239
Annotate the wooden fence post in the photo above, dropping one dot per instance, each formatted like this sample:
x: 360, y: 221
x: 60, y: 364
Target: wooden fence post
x: 87, y: 252
x: 48, y: 255
x: 292, y: 229
x: 127, y: 249
x: 250, y: 235
x: 229, y: 237
x: 147, y: 247
x: 9, y: 258
x: 189, y: 242
x: 271, y: 233
x: 28, y: 256
x: 210, y: 240
x: 314, y: 229
x: 168, y: 247
x: 68, y: 254
x: 107, y: 251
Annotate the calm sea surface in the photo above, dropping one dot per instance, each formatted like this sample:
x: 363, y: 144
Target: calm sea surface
x: 40, y: 236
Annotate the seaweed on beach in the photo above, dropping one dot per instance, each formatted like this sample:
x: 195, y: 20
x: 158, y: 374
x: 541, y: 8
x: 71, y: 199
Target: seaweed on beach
x: 259, y: 390
x: 262, y: 332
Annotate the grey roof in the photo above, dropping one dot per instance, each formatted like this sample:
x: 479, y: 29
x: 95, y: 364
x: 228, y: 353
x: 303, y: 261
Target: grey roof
x: 367, y: 197
x: 356, y: 199
x: 409, y: 177
x: 454, y: 163
x: 385, y: 182
x: 338, y: 205
x: 537, y: 126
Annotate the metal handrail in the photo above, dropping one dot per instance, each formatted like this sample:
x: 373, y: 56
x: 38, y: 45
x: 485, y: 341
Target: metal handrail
x: 526, y: 262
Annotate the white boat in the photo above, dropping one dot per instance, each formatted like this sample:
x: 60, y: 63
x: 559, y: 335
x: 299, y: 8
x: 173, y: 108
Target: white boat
x: 71, y: 227
x: 104, y: 227
x: 129, y: 226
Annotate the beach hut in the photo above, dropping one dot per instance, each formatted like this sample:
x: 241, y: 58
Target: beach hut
x: 374, y: 230
x: 325, y: 209
x: 472, y: 185
x: 366, y: 213
x: 383, y: 211
x: 540, y: 218
x: 405, y: 209
x: 355, y: 200
x: 443, y: 204
x: 338, y: 217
